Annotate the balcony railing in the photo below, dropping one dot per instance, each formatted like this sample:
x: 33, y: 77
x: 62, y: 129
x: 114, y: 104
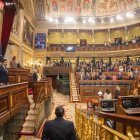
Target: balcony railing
x: 92, y: 126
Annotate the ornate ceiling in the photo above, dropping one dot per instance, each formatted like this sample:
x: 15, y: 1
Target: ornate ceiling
x: 84, y: 8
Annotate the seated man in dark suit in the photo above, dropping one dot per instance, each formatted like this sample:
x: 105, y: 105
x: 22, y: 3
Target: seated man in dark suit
x: 59, y: 128
x: 3, y: 72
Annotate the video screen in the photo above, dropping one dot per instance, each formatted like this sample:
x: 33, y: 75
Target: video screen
x: 130, y: 102
x: 107, y: 104
x: 70, y: 49
x: 40, y: 40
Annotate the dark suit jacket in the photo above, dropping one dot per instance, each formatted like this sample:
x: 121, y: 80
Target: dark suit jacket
x: 59, y: 129
x: 117, y: 94
x: 3, y: 75
x: 35, y: 77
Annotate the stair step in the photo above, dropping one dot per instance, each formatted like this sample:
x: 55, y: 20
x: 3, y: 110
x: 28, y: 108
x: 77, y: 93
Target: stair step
x: 27, y: 130
x: 32, y: 112
x: 30, y: 118
x: 29, y: 124
x: 32, y: 105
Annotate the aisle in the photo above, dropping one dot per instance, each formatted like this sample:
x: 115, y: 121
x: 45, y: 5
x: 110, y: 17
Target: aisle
x: 60, y: 99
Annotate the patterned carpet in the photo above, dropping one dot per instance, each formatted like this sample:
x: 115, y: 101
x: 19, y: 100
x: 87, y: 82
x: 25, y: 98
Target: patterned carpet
x: 60, y: 99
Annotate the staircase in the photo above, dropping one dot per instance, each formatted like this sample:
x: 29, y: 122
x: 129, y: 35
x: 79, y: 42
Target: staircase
x: 74, y: 91
x: 29, y: 124
x: 14, y: 125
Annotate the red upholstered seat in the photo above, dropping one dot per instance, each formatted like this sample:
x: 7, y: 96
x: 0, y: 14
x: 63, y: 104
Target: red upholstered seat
x: 30, y: 91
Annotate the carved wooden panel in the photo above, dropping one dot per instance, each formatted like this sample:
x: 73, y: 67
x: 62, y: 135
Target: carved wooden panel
x: 12, y: 98
x: 12, y: 78
x: 4, y: 104
x: 17, y: 75
x: 46, y: 89
x: 18, y: 97
x: 24, y: 78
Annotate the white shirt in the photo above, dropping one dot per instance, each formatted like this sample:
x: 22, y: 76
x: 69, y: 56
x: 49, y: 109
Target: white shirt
x: 107, y: 96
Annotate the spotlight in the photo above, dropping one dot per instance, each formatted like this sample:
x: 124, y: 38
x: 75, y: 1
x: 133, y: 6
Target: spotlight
x: 129, y: 15
x: 84, y: 21
x: 112, y: 20
x: 50, y: 19
x: 119, y: 17
x: 56, y: 21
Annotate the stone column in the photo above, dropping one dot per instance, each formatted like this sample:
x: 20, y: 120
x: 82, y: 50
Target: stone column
x: 20, y: 22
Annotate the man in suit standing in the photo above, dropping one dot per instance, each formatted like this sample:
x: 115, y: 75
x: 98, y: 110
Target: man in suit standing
x: 59, y: 128
x: 3, y: 72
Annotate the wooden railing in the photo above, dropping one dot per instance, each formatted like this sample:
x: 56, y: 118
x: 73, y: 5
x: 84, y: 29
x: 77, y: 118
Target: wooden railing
x: 46, y: 89
x: 98, y: 48
x: 39, y: 110
x: 70, y: 80
x: 42, y: 96
x: 17, y: 75
x: 12, y: 98
x: 91, y: 126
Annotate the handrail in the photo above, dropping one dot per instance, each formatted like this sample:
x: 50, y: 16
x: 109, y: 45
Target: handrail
x: 91, y: 126
x: 39, y: 117
x: 70, y: 85
x: 129, y: 120
x: 97, y: 48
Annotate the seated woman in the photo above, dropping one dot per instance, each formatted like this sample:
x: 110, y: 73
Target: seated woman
x: 107, y: 95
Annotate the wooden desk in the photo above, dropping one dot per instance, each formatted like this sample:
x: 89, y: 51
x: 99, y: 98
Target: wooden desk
x: 90, y: 88
x: 12, y: 98
x: 46, y: 89
x: 17, y: 75
x: 123, y: 109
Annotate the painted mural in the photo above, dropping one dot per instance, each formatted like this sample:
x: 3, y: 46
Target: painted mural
x: 89, y: 7
x: 28, y: 33
x: 108, y: 7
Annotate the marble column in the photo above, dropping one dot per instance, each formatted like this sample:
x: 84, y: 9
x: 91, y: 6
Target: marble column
x: 20, y: 22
